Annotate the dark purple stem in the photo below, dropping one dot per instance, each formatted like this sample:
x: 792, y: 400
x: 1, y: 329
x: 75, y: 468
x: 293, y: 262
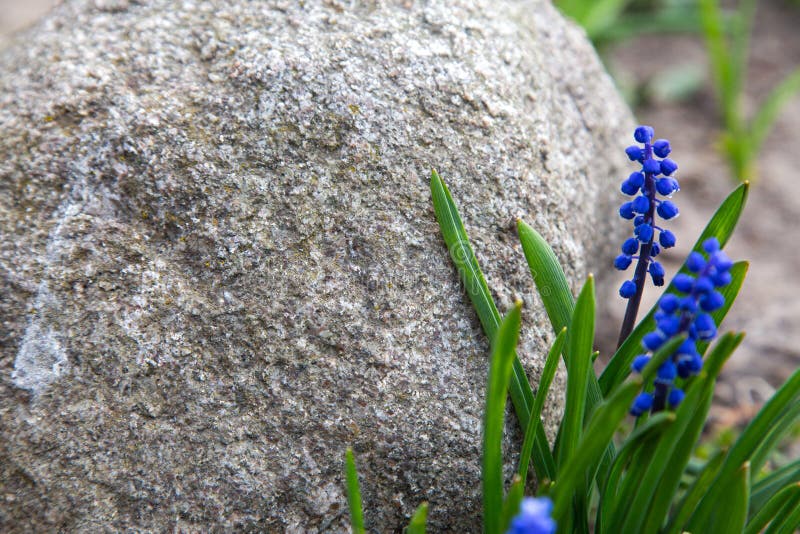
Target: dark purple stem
x: 640, y: 275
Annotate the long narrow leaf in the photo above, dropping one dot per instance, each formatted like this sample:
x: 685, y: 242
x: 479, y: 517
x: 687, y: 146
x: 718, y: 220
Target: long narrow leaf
x: 353, y: 494
x: 687, y: 436
x: 747, y: 444
x: 774, y: 438
x: 695, y: 493
x: 552, y: 286
x: 549, y: 372
x: 720, y: 226
x: 642, y: 436
x: 787, y: 519
x: 579, y: 348
x: 767, y: 487
x: 771, y: 107
x: 417, y: 525
x: 455, y: 236
x: 499, y: 375
x: 771, y: 507
x: 512, y: 503
x: 731, y: 513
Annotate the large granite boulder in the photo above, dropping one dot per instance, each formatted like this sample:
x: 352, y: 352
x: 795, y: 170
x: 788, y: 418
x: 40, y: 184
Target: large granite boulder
x: 220, y: 265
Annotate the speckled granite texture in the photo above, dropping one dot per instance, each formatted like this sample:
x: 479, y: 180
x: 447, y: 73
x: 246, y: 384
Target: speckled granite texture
x: 220, y: 265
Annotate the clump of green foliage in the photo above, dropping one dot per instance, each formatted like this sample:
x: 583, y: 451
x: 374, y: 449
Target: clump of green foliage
x: 648, y: 482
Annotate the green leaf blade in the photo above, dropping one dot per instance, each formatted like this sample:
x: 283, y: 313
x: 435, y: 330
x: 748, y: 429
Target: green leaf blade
x: 457, y: 241
x: 353, y: 494
x: 499, y: 376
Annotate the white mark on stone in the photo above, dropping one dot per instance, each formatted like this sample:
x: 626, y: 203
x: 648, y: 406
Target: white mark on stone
x: 41, y: 359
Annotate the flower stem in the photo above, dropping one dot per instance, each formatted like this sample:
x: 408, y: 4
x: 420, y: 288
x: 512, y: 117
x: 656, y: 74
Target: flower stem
x: 640, y: 275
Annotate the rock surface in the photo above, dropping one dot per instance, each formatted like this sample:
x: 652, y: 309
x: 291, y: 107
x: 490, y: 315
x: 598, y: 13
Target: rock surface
x: 220, y: 265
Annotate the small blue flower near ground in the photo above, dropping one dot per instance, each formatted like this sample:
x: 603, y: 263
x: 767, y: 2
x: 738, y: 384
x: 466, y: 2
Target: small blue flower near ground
x: 655, y: 178
x: 534, y: 517
x: 686, y: 313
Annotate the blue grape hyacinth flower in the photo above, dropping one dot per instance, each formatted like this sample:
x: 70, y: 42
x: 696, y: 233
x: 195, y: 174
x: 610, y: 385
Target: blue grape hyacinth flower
x: 685, y: 313
x: 646, y: 185
x: 534, y: 517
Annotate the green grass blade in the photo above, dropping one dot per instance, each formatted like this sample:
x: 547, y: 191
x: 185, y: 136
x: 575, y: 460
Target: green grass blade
x: 552, y: 286
x: 771, y: 508
x: 774, y: 438
x: 740, y: 34
x: 731, y: 513
x: 747, y: 444
x: 720, y: 58
x: 499, y: 375
x: 720, y: 226
x: 599, y: 433
x: 771, y: 107
x: 695, y: 493
x: 513, y: 500
x: 767, y: 487
x: 660, y: 482
x: 457, y: 241
x: 642, y: 436
x: 549, y: 372
x: 418, y: 523
x: 353, y: 494
x: 787, y: 519
x: 579, y: 348
x: 602, y: 14
x: 548, y: 276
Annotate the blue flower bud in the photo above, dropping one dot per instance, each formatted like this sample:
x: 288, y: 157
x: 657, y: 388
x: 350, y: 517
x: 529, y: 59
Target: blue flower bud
x: 675, y: 397
x: 641, y: 204
x: 655, y: 250
x: 668, y: 166
x: 667, y: 239
x: 642, y: 404
x: 652, y: 341
x: 656, y: 269
x: 688, y: 304
x: 721, y: 279
x: 695, y: 262
x: 622, y: 262
x: 703, y: 285
x: 640, y: 362
x: 669, y: 326
x: 661, y: 148
x: 711, y: 245
x: 644, y: 232
x: 705, y: 327
x: 636, y: 178
x: 643, y: 134
x: 629, y: 188
x: 669, y: 303
x: 533, y: 517
x: 635, y: 153
x: 639, y: 219
x: 666, y: 373
x: 721, y: 261
x: 666, y: 186
x: 627, y: 289
x: 630, y: 246
x: 712, y: 301
x: 651, y: 166
x: 667, y: 210
x: 626, y: 211
x: 683, y: 282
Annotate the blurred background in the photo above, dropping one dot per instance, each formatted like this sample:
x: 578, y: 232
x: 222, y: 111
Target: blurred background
x: 720, y: 80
